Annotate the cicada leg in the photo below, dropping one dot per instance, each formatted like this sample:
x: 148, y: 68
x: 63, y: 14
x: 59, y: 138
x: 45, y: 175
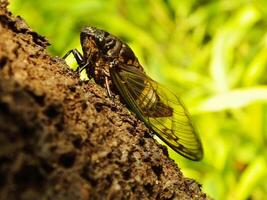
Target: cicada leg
x: 107, y: 86
x: 79, y: 59
x: 81, y: 66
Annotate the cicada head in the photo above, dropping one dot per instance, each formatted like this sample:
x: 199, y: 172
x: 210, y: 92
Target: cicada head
x: 96, y: 41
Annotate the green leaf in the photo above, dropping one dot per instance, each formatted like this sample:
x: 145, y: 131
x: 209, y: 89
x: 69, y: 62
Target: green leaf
x: 233, y: 99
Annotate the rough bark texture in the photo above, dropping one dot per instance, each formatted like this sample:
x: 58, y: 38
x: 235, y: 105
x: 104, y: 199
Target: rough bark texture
x: 62, y: 138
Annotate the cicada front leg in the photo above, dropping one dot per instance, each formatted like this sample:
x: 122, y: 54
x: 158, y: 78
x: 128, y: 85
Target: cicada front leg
x: 79, y: 59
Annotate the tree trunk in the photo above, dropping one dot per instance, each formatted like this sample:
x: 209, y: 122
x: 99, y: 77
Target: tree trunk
x: 63, y: 138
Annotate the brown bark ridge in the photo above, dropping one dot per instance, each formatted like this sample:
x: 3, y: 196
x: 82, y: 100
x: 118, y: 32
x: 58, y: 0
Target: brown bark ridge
x: 63, y: 138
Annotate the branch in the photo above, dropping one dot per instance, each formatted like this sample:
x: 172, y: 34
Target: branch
x: 63, y: 138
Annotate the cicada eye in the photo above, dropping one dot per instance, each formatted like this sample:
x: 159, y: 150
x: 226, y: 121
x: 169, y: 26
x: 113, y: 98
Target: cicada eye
x: 99, y: 40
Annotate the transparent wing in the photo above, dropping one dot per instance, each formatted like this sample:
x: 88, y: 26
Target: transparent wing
x: 160, y: 109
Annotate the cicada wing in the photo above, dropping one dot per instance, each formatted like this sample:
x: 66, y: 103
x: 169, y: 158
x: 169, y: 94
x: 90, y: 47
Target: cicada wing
x: 176, y: 130
x: 160, y: 109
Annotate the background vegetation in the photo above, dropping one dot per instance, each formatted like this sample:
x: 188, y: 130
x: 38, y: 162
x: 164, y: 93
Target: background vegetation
x: 212, y: 53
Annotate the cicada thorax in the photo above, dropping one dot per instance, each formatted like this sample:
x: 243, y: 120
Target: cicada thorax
x: 100, y: 49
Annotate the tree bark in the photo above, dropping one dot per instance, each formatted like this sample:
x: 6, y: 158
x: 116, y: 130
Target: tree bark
x: 63, y: 138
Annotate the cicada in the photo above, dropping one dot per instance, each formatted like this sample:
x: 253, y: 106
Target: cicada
x: 113, y: 65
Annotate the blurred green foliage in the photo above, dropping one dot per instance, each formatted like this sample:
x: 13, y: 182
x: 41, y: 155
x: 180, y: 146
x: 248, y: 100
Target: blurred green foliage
x: 212, y: 53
